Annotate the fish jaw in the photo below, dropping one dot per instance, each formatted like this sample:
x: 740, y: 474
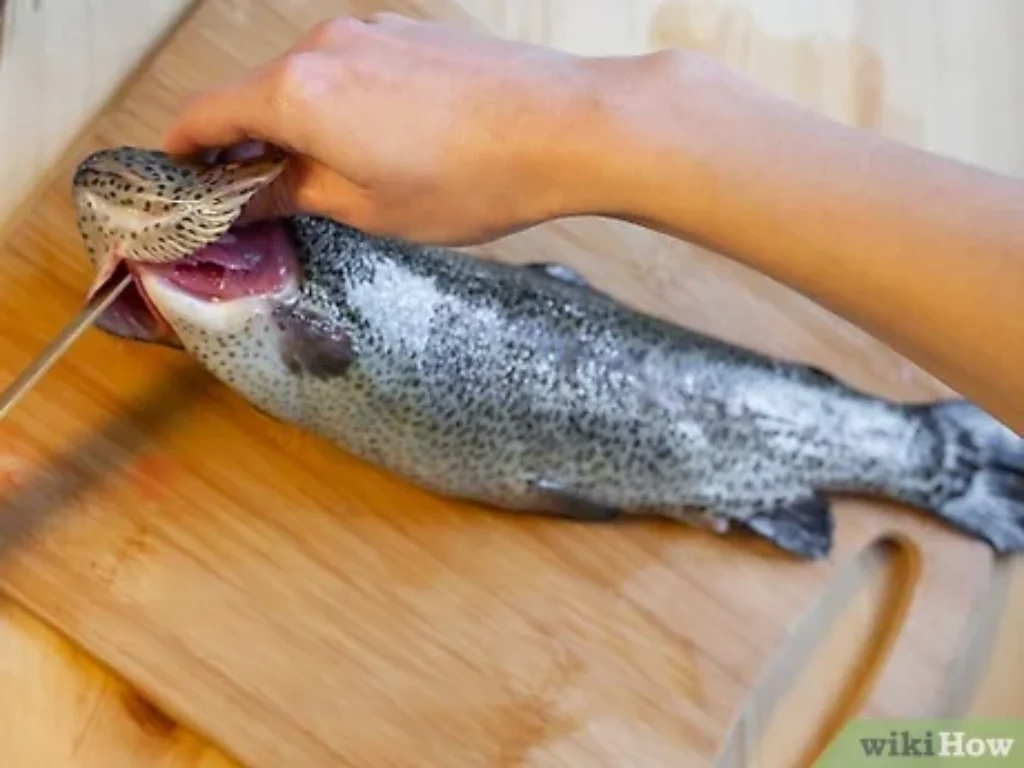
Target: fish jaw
x: 234, y: 341
x: 138, y: 207
x: 193, y: 317
x: 132, y: 314
x: 219, y: 288
x: 213, y: 288
x: 231, y: 308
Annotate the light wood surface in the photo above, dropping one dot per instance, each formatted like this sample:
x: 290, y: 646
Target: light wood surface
x: 1000, y: 689
x: 60, y: 709
x: 60, y: 61
x: 299, y: 606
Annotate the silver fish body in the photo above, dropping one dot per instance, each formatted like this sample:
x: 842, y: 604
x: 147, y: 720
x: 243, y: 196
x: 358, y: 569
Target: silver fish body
x: 523, y: 388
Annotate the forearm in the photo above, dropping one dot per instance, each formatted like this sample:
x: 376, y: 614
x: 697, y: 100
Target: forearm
x: 435, y: 134
x: 924, y: 253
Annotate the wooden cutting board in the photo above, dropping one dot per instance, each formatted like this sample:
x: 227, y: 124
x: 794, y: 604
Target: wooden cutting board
x: 60, y: 709
x: 301, y: 607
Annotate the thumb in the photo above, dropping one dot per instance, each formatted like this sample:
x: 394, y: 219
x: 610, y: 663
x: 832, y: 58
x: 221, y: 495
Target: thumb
x: 309, y: 188
x: 274, y: 201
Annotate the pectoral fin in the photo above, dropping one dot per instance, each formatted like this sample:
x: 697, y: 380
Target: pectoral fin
x: 313, y: 345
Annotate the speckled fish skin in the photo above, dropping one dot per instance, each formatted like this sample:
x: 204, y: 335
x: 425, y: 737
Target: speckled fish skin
x: 524, y: 388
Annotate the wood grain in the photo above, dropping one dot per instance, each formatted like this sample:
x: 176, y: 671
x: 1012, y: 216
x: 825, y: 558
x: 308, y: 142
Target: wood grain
x: 998, y: 691
x: 60, y: 61
x: 300, y: 607
x: 59, y: 709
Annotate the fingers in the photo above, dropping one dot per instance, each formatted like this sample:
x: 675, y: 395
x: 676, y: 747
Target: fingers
x: 391, y: 19
x: 307, y: 187
x: 339, y: 31
x: 270, y: 103
x: 219, y: 117
x: 329, y: 33
x: 272, y: 202
x: 240, y: 153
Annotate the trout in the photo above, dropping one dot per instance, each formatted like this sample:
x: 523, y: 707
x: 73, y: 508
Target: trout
x: 520, y: 387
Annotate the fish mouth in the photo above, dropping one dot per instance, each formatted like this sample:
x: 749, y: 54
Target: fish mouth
x: 249, y: 260
x: 174, y: 225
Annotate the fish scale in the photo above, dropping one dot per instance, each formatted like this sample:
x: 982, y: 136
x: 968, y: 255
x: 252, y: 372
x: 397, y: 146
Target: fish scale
x: 523, y: 388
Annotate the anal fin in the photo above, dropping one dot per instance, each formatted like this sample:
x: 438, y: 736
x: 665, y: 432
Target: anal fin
x: 802, y: 527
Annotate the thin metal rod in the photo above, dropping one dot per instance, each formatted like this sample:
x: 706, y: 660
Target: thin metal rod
x: 35, y: 371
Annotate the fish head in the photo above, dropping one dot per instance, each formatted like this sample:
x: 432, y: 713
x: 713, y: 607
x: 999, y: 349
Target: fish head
x: 172, y: 224
x: 223, y: 291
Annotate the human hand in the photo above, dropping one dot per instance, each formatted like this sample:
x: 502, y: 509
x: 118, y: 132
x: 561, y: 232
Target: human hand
x: 407, y: 128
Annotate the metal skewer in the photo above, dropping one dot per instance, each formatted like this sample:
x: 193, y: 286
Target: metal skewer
x: 45, y: 360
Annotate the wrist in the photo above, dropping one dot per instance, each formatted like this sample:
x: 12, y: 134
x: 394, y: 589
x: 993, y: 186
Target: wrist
x: 629, y: 141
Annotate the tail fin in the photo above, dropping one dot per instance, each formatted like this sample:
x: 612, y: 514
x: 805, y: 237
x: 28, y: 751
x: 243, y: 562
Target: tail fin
x: 981, y: 490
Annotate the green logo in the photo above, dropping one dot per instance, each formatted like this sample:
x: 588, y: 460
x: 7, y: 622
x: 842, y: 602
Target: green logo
x: 906, y: 743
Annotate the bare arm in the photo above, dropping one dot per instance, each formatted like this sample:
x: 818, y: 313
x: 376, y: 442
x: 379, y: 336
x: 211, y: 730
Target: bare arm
x: 429, y: 133
x: 924, y: 252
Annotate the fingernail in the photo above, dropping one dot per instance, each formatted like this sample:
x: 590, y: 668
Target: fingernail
x: 247, y: 150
